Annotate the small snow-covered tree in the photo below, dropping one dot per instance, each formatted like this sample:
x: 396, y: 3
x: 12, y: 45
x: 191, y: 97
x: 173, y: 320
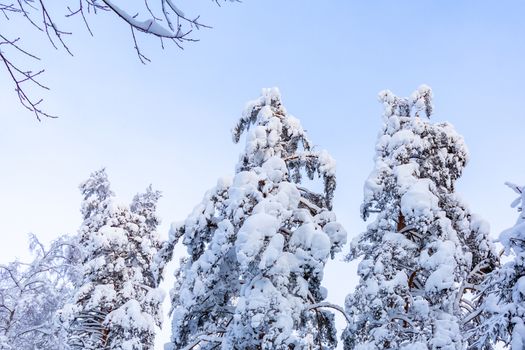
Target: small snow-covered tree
x: 30, y: 295
x: 503, y: 297
x: 258, y: 245
x: 117, y: 303
x: 424, y: 249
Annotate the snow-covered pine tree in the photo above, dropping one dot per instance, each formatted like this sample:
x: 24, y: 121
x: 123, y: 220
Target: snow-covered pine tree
x: 424, y: 248
x: 117, y: 304
x: 503, y: 296
x: 31, y: 294
x: 258, y: 245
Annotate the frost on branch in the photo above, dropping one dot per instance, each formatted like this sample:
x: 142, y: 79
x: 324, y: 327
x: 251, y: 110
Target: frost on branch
x: 258, y: 243
x: 117, y: 303
x: 31, y: 293
x: 423, y: 250
x: 503, y: 308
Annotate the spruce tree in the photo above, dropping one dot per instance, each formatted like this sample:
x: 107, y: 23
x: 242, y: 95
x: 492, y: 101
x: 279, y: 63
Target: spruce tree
x: 117, y: 302
x: 424, y: 249
x: 258, y: 244
x: 502, y: 309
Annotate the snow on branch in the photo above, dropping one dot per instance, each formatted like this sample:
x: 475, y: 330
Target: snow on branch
x: 30, y: 294
x: 330, y: 306
x: 172, y: 24
x: 420, y: 100
x: 276, y: 132
x: 203, y: 338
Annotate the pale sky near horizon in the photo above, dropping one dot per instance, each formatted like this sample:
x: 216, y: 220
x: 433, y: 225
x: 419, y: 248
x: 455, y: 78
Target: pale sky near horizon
x: 168, y: 123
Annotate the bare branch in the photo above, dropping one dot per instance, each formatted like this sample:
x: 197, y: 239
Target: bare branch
x: 172, y: 24
x: 19, y: 77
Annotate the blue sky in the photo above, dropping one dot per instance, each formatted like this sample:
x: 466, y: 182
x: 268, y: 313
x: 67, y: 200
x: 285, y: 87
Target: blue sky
x: 168, y: 123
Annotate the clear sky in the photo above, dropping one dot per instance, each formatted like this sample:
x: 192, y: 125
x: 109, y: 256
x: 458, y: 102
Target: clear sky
x: 168, y: 123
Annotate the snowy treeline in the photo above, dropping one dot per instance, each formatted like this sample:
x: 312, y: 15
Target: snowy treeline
x: 257, y: 246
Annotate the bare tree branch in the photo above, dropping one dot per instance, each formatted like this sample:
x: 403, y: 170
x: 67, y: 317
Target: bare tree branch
x: 172, y: 24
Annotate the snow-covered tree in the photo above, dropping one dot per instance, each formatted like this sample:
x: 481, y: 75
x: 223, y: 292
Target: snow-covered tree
x: 258, y: 244
x: 503, y: 297
x: 145, y: 205
x: 117, y: 304
x: 424, y: 249
x: 30, y: 295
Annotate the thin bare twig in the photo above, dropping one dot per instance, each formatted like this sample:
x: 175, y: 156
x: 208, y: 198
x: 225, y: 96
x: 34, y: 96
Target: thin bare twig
x: 178, y: 29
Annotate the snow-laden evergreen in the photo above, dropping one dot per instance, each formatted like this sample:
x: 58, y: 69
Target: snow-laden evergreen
x: 258, y: 244
x: 117, y: 304
x: 31, y: 294
x: 503, y: 295
x: 424, y: 249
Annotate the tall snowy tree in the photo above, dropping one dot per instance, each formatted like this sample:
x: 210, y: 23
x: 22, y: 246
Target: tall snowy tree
x: 30, y: 295
x: 424, y: 249
x: 258, y: 245
x: 117, y: 304
x: 503, y: 295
